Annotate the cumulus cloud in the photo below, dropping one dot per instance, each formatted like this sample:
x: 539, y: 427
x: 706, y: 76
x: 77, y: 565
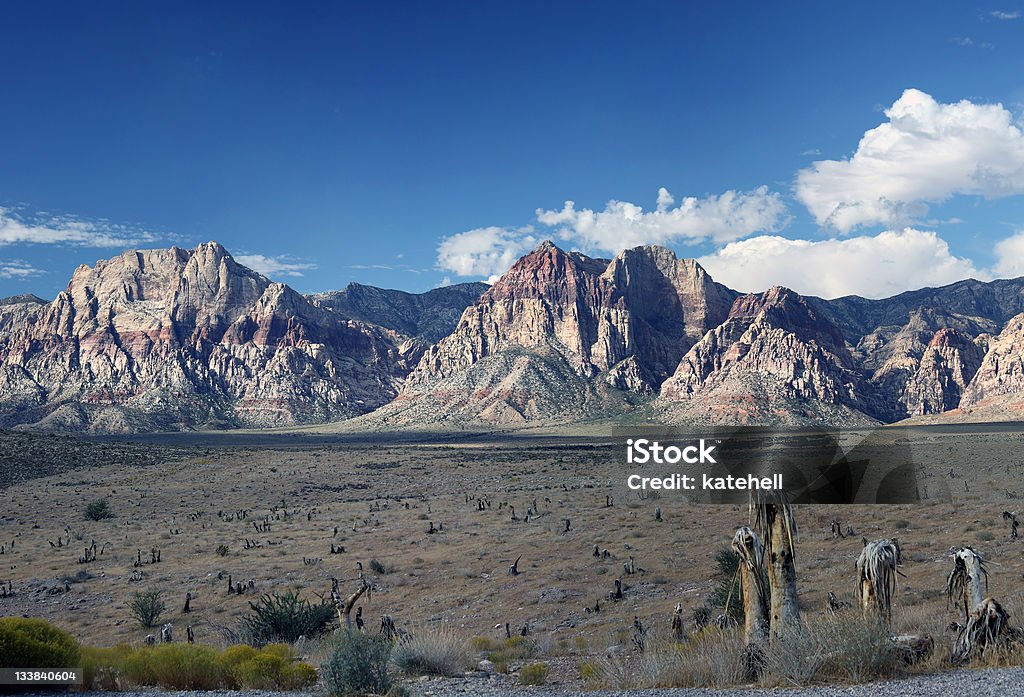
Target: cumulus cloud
x: 18, y: 269
x: 1009, y: 257
x: 925, y: 153
x: 490, y: 251
x: 68, y: 230
x: 487, y: 252
x: 283, y: 265
x: 871, y: 266
x: 723, y: 218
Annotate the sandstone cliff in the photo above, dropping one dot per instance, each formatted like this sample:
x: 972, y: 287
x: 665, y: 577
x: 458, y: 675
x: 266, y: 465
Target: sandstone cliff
x: 774, y: 359
x: 999, y: 380
x: 584, y: 336
x: 170, y: 339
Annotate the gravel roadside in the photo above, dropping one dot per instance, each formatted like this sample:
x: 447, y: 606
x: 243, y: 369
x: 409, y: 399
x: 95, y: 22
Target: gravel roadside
x: 998, y: 682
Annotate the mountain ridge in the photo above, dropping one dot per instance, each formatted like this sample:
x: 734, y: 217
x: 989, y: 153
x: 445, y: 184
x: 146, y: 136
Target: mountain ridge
x: 179, y: 339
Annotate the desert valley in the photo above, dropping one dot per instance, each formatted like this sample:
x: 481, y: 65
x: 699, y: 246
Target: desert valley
x: 458, y: 454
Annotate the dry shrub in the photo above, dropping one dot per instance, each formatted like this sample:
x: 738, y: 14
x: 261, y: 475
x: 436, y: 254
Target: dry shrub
x: 359, y: 664
x: 533, y: 674
x: 102, y: 667
x: 432, y: 651
x: 712, y: 658
x: 855, y: 649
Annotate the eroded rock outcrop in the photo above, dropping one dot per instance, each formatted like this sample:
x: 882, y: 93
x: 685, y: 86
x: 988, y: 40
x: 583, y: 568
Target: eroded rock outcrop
x: 174, y: 338
x: 588, y: 327
x: 774, y: 359
x: 999, y: 380
x: 947, y: 366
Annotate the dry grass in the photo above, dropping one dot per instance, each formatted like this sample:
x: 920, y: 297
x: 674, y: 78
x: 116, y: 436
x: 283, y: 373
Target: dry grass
x: 382, y: 500
x: 433, y: 651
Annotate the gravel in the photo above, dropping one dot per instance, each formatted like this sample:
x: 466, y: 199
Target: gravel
x: 997, y: 682
x: 990, y: 682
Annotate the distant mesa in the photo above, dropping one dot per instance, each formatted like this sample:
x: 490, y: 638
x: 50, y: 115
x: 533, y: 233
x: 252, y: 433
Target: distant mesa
x: 175, y: 339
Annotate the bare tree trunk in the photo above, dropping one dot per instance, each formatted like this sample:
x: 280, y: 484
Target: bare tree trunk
x: 753, y: 583
x: 345, y: 607
x: 964, y: 582
x: 776, y: 525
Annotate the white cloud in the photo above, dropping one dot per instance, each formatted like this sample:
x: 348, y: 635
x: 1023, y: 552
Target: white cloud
x: 274, y: 266
x: 488, y: 251
x: 68, y: 230
x: 729, y: 216
x: 18, y: 269
x: 1000, y: 14
x: 1009, y: 257
x: 925, y: 153
x: 968, y: 41
x: 871, y: 266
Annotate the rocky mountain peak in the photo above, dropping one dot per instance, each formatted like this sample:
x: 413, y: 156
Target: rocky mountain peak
x: 174, y: 338
x: 948, y: 364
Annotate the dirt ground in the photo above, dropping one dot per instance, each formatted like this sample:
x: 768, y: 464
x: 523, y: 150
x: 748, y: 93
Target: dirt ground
x: 279, y: 505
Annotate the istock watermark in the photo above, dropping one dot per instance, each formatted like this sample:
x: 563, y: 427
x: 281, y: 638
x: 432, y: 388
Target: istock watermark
x: 810, y: 465
x: 641, y: 451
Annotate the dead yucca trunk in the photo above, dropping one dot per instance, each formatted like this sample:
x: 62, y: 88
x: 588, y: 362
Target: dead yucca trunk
x: 773, y: 516
x: 876, y: 577
x: 987, y: 628
x: 756, y: 595
x: 753, y: 583
x: 963, y: 585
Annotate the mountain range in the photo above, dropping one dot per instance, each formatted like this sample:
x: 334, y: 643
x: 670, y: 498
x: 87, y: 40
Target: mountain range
x: 177, y: 339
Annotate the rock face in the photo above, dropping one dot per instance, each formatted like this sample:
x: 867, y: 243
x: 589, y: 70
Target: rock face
x: 947, y: 366
x: 179, y: 339
x: 774, y: 359
x: 897, y: 355
x: 170, y: 339
x: 584, y: 335
x: 591, y: 312
x: 999, y: 380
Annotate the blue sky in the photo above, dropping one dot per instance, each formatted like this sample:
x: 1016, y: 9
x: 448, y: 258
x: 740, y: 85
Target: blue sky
x: 408, y: 145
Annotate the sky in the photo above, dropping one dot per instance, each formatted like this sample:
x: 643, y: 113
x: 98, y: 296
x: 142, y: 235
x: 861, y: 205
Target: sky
x: 836, y: 148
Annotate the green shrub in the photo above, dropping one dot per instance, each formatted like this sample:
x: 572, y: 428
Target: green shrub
x: 274, y: 667
x: 229, y: 661
x: 300, y: 676
x: 434, y: 651
x: 98, y: 510
x: 174, y: 667
x: 359, y: 664
x: 147, y: 607
x: 519, y: 647
x: 261, y: 672
x: 195, y: 667
x: 727, y: 589
x: 35, y: 643
x: 482, y: 643
x: 533, y: 674
x: 284, y: 618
